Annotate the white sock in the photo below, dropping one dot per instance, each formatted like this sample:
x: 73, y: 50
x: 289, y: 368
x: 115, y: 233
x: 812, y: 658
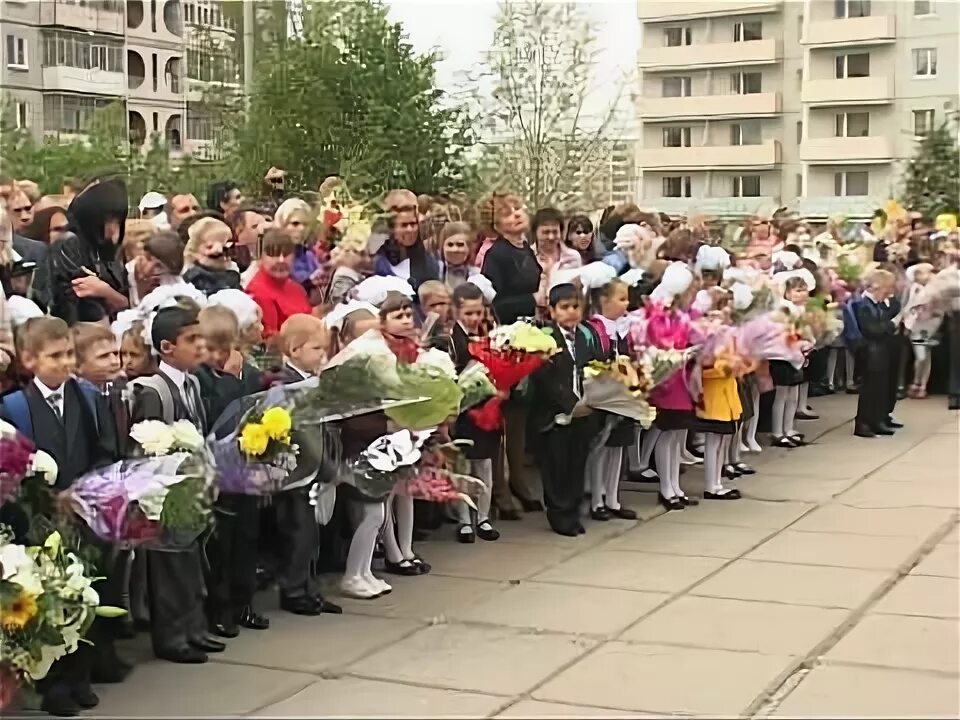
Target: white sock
x: 754, y: 422
x: 850, y: 368
x: 483, y: 470
x: 677, y: 445
x: 779, y: 410
x: 802, y: 404
x: 662, y: 454
x: 733, y: 452
x: 360, y: 554
x: 614, y: 459
x: 832, y: 358
x: 712, y: 465
x: 790, y: 410
x: 645, y: 449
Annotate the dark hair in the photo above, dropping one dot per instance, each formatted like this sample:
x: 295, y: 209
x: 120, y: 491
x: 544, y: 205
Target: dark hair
x: 167, y: 247
x: 170, y: 322
x: 545, y: 216
x: 39, y: 228
x: 276, y: 243
x: 794, y: 248
x: 565, y: 291
x: 393, y: 302
x: 794, y: 283
x: 464, y: 292
x: 219, y: 191
x: 579, y: 222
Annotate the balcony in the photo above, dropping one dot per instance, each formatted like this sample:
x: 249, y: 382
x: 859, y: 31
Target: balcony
x: 659, y: 11
x: 715, y: 207
x: 765, y: 155
x: 872, y: 30
x: 846, y: 150
x: 848, y: 91
x: 753, y: 52
x: 81, y: 80
x: 83, y: 17
x: 709, y: 106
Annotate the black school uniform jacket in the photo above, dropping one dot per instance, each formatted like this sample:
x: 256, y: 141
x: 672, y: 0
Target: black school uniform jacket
x: 876, y: 325
x: 218, y: 389
x: 148, y: 406
x: 486, y: 443
x: 553, y: 382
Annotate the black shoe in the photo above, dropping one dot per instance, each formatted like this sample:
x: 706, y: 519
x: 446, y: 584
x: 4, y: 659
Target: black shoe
x: 891, y: 423
x: 85, y: 697
x: 325, y: 606
x: 404, y: 567
x: 863, y: 431
x: 883, y: 430
x: 378, y: 553
x: 623, y: 513
x: 730, y: 472
x: 688, y: 501
x: 901, y: 393
x: 581, y: 530
x: 509, y: 515
x: 60, y: 702
x: 670, y: 503
x: 226, y: 629
x: 207, y: 644
x: 853, y: 390
x: 486, y: 531
x: 643, y: 476
x: 466, y: 535
x: 744, y: 469
x: 697, y: 452
x: 422, y: 567
x: 110, y: 673
x: 804, y: 415
x: 264, y: 578
x: 782, y: 442
x: 566, y: 530
x: 953, y: 402
x: 184, y: 655
x: 530, y: 506
x: 300, y: 605
x: 601, y: 513
x: 728, y: 495
x: 819, y: 390
x: 251, y: 620
x: 797, y: 439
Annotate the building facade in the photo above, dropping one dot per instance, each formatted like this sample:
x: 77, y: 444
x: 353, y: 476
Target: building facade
x: 747, y: 105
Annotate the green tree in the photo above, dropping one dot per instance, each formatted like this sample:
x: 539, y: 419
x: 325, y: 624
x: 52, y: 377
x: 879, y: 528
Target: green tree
x: 932, y: 180
x: 549, y: 139
x: 349, y: 96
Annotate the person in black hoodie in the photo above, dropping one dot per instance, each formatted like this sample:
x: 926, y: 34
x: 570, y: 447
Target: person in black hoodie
x: 88, y: 282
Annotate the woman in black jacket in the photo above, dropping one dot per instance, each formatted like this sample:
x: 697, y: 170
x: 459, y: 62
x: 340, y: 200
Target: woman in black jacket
x: 510, y: 263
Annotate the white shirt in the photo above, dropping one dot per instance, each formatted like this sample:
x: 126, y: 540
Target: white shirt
x: 402, y: 269
x: 571, y: 339
x: 179, y: 378
x: 619, y: 328
x: 47, y: 392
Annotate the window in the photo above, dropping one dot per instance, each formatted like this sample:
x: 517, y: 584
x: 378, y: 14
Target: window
x: 798, y: 179
x: 676, y: 137
x: 79, y: 51
x: 677, y: 36
x: 853, y: 66
x: 846, y: 184
x: 746, y: 83
x: 746, y: 186
x: 745, y: 133
x: 677, y: 186
x: 676, y: 87
x: 925, y: 62
x: 747, y: 30
x: 799, y: 77
x: 922, y: 122
x: 16, y: 52
x: 20, y: 114
x: 799, y: 131
x: 852, y: 124
x: 851, y: 8
x: 923, y: 7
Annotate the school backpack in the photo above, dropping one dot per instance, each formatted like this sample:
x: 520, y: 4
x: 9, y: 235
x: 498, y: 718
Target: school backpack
x: 851, y: 328
x: 159, y: 386
x: 18, y: 409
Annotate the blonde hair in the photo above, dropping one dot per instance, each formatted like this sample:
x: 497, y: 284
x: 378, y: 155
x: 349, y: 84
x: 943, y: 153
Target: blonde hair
x: 454, y: 228
x: 195, y: 235
x: 299, y: 328
x: 30, y: 189
x: 85, y: 334
x: 136, y: 232
x: 431, y: 288
x: 290, y: 208
x: 495, y: 207
x: 219, y: 327
x: 881, y: 278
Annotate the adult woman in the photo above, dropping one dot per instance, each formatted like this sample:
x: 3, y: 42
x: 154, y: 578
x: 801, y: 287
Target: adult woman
x: 277, y: 294
x: 510, y: 263
x: 49, y: 225
x: 580, y: 237
x: 293, y: 217
x: 455, y: 266
x: 404, y: 254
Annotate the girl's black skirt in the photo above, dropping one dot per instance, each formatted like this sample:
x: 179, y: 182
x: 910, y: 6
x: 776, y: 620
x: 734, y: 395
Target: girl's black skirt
x: 784, y: 374
x: 674, y: 419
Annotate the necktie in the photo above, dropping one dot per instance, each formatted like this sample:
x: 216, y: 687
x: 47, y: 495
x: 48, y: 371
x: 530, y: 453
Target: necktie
x: 53, y: 400
x: 192, y: 402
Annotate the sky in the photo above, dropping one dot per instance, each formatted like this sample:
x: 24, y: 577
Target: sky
x: 462, y: 31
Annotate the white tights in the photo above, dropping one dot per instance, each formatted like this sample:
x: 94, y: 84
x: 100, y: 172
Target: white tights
x: 733, y: 452
x: 641, y: 451
x: 922, y: 361
x: 785, y: 402
x: 850, y: 368
x: 398, y: 529
x: 802, y: 397
x: 750, y: 429
x: 833, y: 356
x: 483, y: 470
x: 360, y: 555
x: 667, y: 454
x: 603, y: 471
x: 714, y: 452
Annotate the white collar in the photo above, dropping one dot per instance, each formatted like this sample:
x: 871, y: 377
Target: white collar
x: 178, y: 377
x: 618, y: 328
x: 47, y: 392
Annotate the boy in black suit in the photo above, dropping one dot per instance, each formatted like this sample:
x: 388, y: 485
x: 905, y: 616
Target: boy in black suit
x: 878, y: 389
x: 72, y: 424
x: 557, y: 415
x: 175, y: 578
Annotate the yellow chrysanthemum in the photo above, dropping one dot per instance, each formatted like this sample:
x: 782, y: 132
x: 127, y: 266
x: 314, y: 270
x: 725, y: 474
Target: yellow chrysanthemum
x: 17, y: 613
x: 254, y: 439
x: 277, y: 422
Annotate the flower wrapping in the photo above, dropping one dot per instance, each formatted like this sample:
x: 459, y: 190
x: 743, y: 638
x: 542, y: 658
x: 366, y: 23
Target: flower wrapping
x: 604, y: 391
x: 476, y: 385
x: 506, y: 367
x: 16, y: 455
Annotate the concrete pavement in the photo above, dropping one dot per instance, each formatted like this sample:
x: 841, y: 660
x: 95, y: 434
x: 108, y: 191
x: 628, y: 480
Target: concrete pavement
x: 832, y: 589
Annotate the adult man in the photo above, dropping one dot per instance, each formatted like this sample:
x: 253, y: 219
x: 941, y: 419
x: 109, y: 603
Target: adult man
x: 20, y: 209
x: 181, y: 207
x: 30, y: 251
x: 248, y: 227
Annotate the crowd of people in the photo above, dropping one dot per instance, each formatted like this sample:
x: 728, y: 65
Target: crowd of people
x: 268, y: 291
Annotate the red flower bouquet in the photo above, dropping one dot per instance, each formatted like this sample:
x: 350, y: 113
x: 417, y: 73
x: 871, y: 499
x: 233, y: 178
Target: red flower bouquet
x: 506, y: 368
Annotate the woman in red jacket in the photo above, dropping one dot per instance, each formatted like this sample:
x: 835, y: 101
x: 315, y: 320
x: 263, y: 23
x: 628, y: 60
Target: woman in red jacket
x: 278, y: 295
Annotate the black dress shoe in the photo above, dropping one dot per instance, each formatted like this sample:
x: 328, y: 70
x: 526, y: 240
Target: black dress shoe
x: 85, y: 697
x: 863, y: 431
x: 184, y: 655
x: 566, y: 531
x: 207, y: 644
x: 624, y: 513
x: 688, y: 501
x: 728, y: 495
x: 466, y: 535
x: 670, y: 503
x: 326, y: 606
x: 883, y: 430
x: 60, y: 702
x: 404, y: 567
x: 744, y: 469
x: 509, y: 515
x: 252, y: 620
x: 300, y: 605
x: 227, y: 629
x: 487, y: 532
x: 798, y: 440
x: 853, y: 390
x: 423, y: 568
x: 891, y: 423
x: 581, y: 530
x: 531, y: 505
x: 601, y: 513
x: 953, y: 402
x: 782, y: 442
x: 643, y: 476
x: 730, y: 472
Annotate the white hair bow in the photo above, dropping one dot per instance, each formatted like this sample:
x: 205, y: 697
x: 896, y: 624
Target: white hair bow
x: 486, y: 287
x: 596, y: 275
x: 374, y: 289
x: 242, y: 305
x: 675, y: 281
x: 334, y: 319
x: 712, y: 257
x: 742, y: 296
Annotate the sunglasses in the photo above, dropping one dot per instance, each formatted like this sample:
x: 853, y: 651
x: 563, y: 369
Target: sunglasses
x: 276, y: 181
x: 22, y: 210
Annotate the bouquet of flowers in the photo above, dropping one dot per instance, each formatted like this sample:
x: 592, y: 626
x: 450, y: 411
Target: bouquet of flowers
x: 659, y: 364
x: 510, y: 354
x: 821, y: 322
x: 48, y: 603
x: 620, y: 387
x: 433, y: 377
x: 475, y: 385
x: 19, y: 459
x: 766, y: 338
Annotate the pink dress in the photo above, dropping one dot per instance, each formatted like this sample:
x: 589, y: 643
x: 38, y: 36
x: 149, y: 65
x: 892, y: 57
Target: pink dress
x: 670, y: 329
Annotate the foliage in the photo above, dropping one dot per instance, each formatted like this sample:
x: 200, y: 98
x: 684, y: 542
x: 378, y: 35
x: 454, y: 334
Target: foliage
x: 349, y: 96
x: 932, y: 181
x: 544, y: 123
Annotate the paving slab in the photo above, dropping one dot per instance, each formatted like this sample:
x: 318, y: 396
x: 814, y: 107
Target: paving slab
x: 941, y: 492
x: 922, y: 595
x: 498, y: 561
x: 563, y: 608
x: 538, y: 709
x: 902, y: 641
x: 844, y: 691
x: 837, y: 550
x: 793, y: 584
x: 356, y: 697
x: 534, y: 530
x: 917, y: 522
x: 166, y: 689
x: 631, y: 570
x: 846, y: 462
x: 664, y: 679
x: 424, y: 597
x: 771, y: 628
x: 742, y: 513
x: 665, y: 538
x: 943, y: 561
x: 483, y: 659
x: 767, y: 486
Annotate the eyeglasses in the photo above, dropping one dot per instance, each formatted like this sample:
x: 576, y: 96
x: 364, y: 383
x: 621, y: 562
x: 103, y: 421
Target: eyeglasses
x: 276, y: 181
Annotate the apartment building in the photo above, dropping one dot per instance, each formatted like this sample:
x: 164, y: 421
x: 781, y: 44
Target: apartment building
x: 747, y: 105
x: 63, y: 59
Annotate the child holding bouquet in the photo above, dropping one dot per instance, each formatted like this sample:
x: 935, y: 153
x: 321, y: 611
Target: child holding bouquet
x: 786, y: 376
x: 468, y: 308
x: 612, y: 328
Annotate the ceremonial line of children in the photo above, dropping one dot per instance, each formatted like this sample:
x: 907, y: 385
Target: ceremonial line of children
x: 82, y: 382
